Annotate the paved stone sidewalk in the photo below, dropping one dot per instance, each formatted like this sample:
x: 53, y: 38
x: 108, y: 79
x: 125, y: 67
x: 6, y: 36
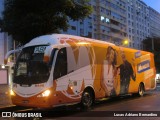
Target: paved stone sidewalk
x: 4, y: 96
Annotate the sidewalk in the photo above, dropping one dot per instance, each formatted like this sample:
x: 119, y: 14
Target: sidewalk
x: 4, y: 96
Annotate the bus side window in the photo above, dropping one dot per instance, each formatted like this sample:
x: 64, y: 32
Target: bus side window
x: 61, y: 64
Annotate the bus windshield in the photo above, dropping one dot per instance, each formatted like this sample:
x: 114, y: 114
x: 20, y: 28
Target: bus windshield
x: 30, y: 67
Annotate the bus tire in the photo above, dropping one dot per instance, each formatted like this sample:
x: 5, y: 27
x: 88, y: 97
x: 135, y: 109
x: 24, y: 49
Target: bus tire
x: 141, y: 90
x: 87, y: 99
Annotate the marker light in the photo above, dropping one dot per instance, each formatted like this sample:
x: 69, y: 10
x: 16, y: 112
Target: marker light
x: 83, y: 43
x: 3, y: 66
x: 45, y: 94
x: 12, y: 93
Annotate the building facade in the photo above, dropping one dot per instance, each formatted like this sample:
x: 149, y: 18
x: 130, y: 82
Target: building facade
x: 107, y: 22
x: 138, y: 25
x: 1, y: 7
x: 82, y: 27
x: 115, y: 21
x: 154, y: 23
x: 5, y: 40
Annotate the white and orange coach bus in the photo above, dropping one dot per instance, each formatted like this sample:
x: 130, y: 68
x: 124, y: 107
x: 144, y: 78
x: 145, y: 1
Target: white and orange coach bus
x: 54, y: 70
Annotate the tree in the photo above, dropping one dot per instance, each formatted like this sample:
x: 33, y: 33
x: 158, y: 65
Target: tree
x: 156, y: 50
x: 148, y: 44
x: 27, y: 19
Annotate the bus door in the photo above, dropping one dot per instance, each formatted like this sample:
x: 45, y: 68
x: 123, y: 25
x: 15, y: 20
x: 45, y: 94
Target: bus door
x: 60, y: 72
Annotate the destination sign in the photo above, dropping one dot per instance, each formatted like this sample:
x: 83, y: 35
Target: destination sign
x: 39, y: 49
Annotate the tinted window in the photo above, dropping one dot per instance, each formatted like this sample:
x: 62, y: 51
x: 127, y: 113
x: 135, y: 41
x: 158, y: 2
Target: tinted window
x: 61, y: 64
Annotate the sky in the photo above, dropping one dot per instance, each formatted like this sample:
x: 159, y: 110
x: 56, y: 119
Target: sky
x: 155, y: 4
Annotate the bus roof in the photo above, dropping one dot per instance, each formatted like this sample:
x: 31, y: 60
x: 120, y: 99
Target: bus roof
x: 55, y: 39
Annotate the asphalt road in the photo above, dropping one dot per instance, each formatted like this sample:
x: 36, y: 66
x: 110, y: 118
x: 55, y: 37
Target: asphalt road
x: 119, y: 108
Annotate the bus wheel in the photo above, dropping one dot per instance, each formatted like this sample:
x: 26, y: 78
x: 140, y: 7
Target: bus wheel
x: 87, y: 99
x: 141, y: 90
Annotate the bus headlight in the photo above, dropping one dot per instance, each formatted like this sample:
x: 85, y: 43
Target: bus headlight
x: 12, y: 93
x: 45, y: 94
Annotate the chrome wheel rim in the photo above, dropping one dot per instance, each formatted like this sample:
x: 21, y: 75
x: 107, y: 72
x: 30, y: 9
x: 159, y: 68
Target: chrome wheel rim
x: 87, y: 99
x: 141, y: 91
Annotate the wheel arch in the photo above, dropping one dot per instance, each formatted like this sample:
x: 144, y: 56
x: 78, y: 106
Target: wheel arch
x: 90, y: 88
x: 142, y: 83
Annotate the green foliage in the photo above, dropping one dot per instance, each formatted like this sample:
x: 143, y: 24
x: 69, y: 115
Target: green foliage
x: 27, y: 19
x: 156, y: 50
x: 148, y: 44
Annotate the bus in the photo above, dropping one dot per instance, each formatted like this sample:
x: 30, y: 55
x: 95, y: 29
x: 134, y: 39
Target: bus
x: 58, y: 69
